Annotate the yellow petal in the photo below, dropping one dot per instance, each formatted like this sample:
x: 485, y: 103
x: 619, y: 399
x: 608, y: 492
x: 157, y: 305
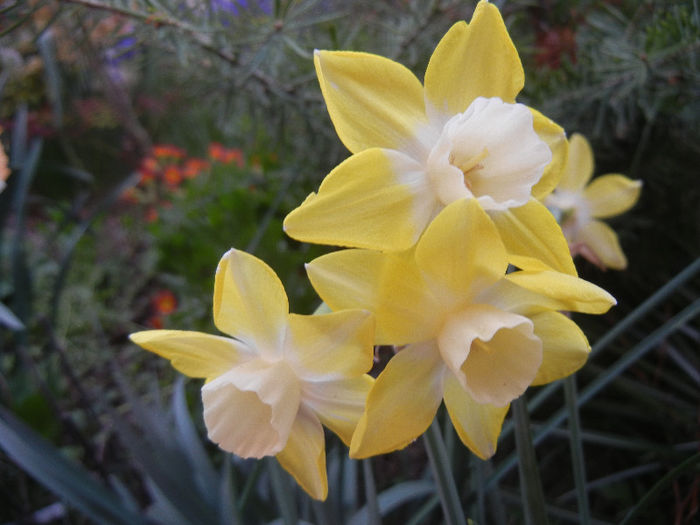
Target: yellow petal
x: 473, y: 60
x: 461, y: 250
x: 494, y: 354
x: 478, y: 425
x: 304, y: 457
x: 376, y: 199
x: 372, y: 101
x: 564, y: 347
x: 402, y: 402
x: 250, y: 409
x: 388, y: 285
x: 603, y: 241
x: 611, y: 195
x: 533, y: 239
x: 250, y: 303
x: 579, y: 167
x: 193, y: 353
x: 559, y: 291
x: 553, y: 134
x: 339, y: 404
x: 332, y: 346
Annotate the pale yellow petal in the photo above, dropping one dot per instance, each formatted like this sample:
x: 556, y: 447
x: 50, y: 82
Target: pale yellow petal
x: 376, y: 199
x: 461, y: 250
x: 331, y: 346
x: 250, y: 303
x: 193, y: 353
x: 339, y: 404
x: 579, y: 167
x: 372, y: 101
x: 564, y: 347
x: 494, y: 354
x: 250, y: 409
x: 402, y: 402
x: 388, y: 285
x: 611, y: 195
x: 603, y: 242
x: 478, y: 425
x: 533, y: 239
x: 555, y: 137
x: 472, y: 60
x: 559, y: 291
x: 304, y: 457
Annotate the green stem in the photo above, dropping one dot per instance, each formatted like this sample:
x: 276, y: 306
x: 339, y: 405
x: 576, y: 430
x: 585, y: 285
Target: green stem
x: 447, y: 490
x: 533, y: 497
x: 576, y: 444
x: 373, y: 517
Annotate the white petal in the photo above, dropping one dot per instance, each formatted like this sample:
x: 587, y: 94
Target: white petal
x: 494, y: 354
x: 250, y: 409
x: 494, y: 147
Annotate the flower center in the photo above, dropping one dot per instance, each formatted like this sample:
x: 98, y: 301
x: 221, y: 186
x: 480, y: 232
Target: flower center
x: 493, y: 354
x: 490, y: 152
x: 250, y: 409
x: 571, y: 211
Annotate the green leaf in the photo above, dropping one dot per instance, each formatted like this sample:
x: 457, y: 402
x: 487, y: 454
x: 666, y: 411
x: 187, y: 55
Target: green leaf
x: 393, y: 498
x: 531, y: 485
x: 9, y: 319
x: 67, y: 480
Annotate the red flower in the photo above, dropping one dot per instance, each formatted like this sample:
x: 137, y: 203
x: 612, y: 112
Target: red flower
x: 164, y: 302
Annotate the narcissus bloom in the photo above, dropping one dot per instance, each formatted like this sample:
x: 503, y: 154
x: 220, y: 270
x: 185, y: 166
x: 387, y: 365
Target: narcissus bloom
x: 418, y: 148
x: 580, y: 205
x: 279, y: 376
x: 474, y: 336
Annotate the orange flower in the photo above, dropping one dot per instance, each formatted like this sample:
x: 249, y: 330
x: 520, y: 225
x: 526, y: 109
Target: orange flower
x: 164, y: 302
x: 168, y: 151
x: 194, y: 167
x: 148, y: 170
x: 225, y: 155
x: 172, y: 175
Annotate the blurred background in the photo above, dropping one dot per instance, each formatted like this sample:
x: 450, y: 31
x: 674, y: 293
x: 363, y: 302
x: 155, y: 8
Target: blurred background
x: 144, y: 138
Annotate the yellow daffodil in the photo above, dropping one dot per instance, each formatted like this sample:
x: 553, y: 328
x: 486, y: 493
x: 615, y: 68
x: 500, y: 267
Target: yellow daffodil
x: 418, y: 148
x: 474, y: 336
x: 579, y: 204
x: 279, y: 376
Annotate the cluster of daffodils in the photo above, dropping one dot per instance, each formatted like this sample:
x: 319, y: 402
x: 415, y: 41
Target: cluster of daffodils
x: 453, y: 259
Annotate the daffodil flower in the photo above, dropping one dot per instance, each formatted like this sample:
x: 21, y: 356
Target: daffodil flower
x: 473, y: 335
x: 580, y: 204
x: 279, y: 376
x: 418, y: 148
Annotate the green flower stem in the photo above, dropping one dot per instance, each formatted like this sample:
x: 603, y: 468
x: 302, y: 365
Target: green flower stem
x: 576, y: 444
x: 531, y: 486
x: 373, y: 517
x: 447, y: 490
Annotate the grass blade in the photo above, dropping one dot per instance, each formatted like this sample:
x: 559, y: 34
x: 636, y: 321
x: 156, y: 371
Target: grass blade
x: 532, y: 494
x: 447, y: 490
x: 660, y: 485
x: 576, y: 445
x: 65, y: 479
